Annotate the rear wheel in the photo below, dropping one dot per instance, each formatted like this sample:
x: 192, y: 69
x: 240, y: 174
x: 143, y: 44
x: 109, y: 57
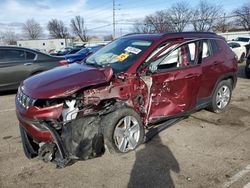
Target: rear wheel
x: 221, y: 97
x: 123, y: 130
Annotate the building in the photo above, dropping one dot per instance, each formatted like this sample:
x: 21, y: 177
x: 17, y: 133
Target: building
x: 46, y: 45
x: 234, y: 35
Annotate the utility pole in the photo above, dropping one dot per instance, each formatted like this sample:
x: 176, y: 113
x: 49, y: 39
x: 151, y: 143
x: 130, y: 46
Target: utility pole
x: 113, y: 19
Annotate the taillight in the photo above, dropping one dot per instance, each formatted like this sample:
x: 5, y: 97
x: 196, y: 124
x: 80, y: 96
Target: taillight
x: 63, y: 62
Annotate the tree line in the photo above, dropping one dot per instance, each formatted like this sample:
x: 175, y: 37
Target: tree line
x: 179, y: 17
x: 32, y: 30
x: 203, y: 17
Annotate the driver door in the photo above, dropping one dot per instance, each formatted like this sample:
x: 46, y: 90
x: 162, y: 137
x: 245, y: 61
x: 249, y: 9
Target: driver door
x: 176, y: 78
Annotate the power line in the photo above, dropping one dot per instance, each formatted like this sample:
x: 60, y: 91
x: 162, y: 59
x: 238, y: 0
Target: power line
x: 114, y: 19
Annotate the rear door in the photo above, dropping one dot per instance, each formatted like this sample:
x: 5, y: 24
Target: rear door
x: 175, y: 81
x: 15, y: 66
x: 212, y: 66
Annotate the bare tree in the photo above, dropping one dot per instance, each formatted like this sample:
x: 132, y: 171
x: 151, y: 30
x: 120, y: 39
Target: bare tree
x: 205, y: 15
x: 78, y: 28
x: 159, y: 22
x: 9, y: 37
x: 32, y: 29
x: 57, y: 29
x: 179, y: 14
x: 141, y: 27
x: 243, y: 16
x: 222, y: 24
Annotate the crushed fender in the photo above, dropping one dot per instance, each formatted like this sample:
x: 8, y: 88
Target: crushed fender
x: 83, y: 138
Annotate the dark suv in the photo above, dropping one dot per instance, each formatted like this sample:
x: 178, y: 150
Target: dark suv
x: 134, y: 84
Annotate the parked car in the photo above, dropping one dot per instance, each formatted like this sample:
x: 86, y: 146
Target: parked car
x: 67, y: 50
x: 247, y: 68
x: 239, y: 50
x: 17, y: 64
x: 243, y: 40
x: 135, y: 83
x: 80, y: 55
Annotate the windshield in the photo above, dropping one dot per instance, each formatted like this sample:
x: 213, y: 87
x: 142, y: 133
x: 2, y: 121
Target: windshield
x: 83, y: 51
x: 120, y: 54
x: 242, y: 39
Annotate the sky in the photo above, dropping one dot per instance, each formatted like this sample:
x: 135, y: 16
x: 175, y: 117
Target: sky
x: 97, y: 14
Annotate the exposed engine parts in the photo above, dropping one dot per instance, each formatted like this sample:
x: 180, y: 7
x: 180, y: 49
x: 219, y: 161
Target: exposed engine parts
x: 70, y: 110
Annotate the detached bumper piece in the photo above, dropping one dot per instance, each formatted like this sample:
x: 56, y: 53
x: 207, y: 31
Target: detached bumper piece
x: 80, y: 139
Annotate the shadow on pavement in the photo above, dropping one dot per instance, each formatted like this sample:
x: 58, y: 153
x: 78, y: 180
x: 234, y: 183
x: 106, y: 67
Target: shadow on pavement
x: 11, y: 92
x: 241, y: 70
x: 153, y: 166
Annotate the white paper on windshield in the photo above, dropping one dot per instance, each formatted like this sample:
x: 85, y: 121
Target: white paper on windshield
x: 133, y: 50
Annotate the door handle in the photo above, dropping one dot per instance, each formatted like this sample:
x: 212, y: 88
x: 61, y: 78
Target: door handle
x: 28, y: 64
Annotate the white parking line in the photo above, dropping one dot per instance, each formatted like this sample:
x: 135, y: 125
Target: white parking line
x: 247, y: 185
x: 237, y: 176
x: 7, y: 110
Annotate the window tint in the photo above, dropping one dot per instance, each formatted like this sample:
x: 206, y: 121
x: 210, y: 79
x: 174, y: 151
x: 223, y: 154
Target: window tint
x: 11, y: 55
x: 214, y: 46
x: 234, y: 45
x: 30, y: 55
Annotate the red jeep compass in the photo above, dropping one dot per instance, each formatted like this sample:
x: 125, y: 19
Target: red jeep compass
x: 136, y: 83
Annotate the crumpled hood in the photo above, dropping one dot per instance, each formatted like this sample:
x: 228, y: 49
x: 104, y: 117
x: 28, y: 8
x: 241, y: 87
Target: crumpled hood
x: 65, y: 80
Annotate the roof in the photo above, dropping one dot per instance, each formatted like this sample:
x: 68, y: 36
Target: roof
x: 169, y: 35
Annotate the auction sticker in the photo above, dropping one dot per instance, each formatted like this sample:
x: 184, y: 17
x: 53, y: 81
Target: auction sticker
x: 122, y: 56
x: 132, y: 50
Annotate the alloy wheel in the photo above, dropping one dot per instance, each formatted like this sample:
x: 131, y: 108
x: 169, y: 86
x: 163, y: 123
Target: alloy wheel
x: 223, y: 97
x: 127, y: 134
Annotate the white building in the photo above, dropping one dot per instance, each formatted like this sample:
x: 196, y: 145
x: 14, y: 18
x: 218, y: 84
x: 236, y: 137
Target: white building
x: 46, y: 45
x: 234, y: 35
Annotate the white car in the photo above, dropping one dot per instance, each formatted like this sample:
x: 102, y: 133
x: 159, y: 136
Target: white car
x: 239, y: 49
x: 242, y: 40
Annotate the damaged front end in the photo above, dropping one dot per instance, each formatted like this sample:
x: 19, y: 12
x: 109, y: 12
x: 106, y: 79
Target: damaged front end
x: 62, y: 128
x: 62, y: 135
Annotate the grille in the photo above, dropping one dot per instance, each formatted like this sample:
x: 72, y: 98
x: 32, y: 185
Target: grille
x: 25, y: 100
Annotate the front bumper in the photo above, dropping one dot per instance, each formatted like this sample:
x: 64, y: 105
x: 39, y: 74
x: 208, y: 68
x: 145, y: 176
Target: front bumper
x: 37, y: 124
x: 33, y: 120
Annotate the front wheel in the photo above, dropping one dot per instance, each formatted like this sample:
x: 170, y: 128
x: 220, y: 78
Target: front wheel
x: 221, y: 97
x: 123, y: 130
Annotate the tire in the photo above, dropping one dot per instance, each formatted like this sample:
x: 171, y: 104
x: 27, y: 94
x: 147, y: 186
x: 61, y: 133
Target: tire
x: 117, y: 133
x: 242, y: 57
x: 221, y: 96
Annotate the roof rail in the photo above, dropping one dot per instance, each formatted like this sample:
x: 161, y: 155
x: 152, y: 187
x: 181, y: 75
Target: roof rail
x: 188, y: 32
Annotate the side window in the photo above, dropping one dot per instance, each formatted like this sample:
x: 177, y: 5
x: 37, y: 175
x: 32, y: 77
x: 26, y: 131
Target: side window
x: 12, y: 55
x: 206, y: 51
x: 180, y: 56
x: 215, y: 46
x: 30, y: 56
x: 236, y: 45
